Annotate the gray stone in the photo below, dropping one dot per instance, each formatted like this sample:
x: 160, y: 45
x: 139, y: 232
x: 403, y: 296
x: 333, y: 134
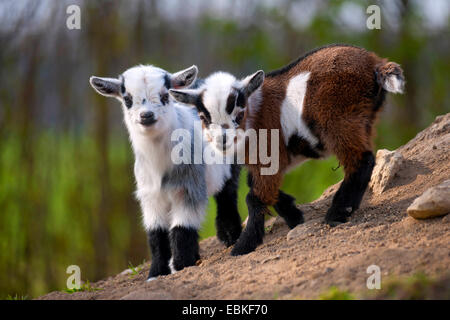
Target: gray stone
x: 302, y: 231
x: 432, y: 203
x: 387, y: 164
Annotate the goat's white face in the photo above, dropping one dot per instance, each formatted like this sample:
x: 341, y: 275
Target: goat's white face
x: 221, y: 103
x: 143, y: 91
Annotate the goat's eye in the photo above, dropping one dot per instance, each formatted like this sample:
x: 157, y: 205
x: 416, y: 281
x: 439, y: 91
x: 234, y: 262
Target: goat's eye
x: 164, y: 97
x: 128, y: 101
x: 144, y: 101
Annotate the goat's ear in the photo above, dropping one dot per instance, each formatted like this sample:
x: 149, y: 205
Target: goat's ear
x: 187, y: 96
x: 252, y: 82
x: 184, y: 78
x: 108, y: 87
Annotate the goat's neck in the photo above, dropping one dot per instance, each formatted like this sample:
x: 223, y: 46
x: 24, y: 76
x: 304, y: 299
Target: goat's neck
x: 153, y: 148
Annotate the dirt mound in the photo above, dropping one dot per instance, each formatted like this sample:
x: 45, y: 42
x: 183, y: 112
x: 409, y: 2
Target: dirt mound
x: 308, y: 260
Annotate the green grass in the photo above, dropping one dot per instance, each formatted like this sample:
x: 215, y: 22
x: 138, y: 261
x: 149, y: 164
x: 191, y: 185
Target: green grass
x: 84, y: 287
x: 16, y: 297
x: 335, y: 293
x: 57, y: 211
x: 135, y: 270
x: 418, y: 286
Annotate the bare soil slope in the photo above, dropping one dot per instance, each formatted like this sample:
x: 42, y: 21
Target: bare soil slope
x: 314, y: 257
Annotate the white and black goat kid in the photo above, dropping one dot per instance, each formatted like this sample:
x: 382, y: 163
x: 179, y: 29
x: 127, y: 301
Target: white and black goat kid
x: 173, y: 197
x: 323, y: 103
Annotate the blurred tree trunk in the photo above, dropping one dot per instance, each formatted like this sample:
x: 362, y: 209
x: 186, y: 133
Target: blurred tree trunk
x: 410, y: 113
x: 102, y: 60
x: 26, y: 122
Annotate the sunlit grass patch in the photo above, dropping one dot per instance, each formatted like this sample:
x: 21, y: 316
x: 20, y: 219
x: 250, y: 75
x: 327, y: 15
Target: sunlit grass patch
x: 16, y: 297
x: 334, y: 293
x: 84, y: 287
x: 418, y: 286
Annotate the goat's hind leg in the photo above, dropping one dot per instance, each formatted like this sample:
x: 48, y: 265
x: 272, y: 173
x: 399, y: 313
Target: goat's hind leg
x: 286, y: 208
x: 350, y: 193
x: 349, y: 138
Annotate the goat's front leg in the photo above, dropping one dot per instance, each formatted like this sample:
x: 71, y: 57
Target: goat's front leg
x: 158, y: 240
x: 253, y: 234
x: 228, y: 220
x: 186, y: 220
x: 155, y: 209
x: 263, y: 192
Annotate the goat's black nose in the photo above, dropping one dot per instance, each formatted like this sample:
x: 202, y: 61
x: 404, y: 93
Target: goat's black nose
x: 147, y: 115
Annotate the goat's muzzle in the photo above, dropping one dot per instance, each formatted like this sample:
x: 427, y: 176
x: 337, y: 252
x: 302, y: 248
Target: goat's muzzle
x: 147, y: 118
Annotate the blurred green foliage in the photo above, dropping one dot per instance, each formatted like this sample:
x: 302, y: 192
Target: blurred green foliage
x: 66, y: 178
x: 418, y: 286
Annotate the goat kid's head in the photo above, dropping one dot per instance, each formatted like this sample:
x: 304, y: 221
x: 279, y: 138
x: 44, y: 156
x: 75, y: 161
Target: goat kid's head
x: 143, y: 92
x: 221, y: 103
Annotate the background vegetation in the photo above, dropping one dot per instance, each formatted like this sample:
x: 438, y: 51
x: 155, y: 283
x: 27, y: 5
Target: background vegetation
x: 66, y: 178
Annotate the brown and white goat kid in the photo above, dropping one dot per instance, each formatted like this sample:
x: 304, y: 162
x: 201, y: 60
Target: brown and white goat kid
x: 325, y: 102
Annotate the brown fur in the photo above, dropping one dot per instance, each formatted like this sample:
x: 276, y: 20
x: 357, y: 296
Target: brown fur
x: 340, y: 107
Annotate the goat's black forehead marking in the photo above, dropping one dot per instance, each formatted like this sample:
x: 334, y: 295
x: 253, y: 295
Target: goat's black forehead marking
x: 231, y: 102
x: 167, y: 81
x: 201, y: 108
x: 240, y: 101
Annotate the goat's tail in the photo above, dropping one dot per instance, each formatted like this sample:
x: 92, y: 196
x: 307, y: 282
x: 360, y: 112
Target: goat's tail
x: 390, y: 77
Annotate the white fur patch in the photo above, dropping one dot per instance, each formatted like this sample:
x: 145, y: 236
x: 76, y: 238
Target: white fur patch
x: 171, y: 266
x: 216, y: 175
x: 155, y: 209
x: 393, y: 84
x: 184, y: 215
x: 292, y: 110
x: 219, y: 86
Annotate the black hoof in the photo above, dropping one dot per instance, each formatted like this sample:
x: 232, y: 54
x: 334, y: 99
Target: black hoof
x: 337, y: 216
x: 228, y: 232
x: 286, y: 208
x: 247, y: 243
x: 242, y: 248
x: 334, y: 223
x: 184, y: 245
x: 180, y: 264
x: 294, y: 218
x: 158, y: 269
